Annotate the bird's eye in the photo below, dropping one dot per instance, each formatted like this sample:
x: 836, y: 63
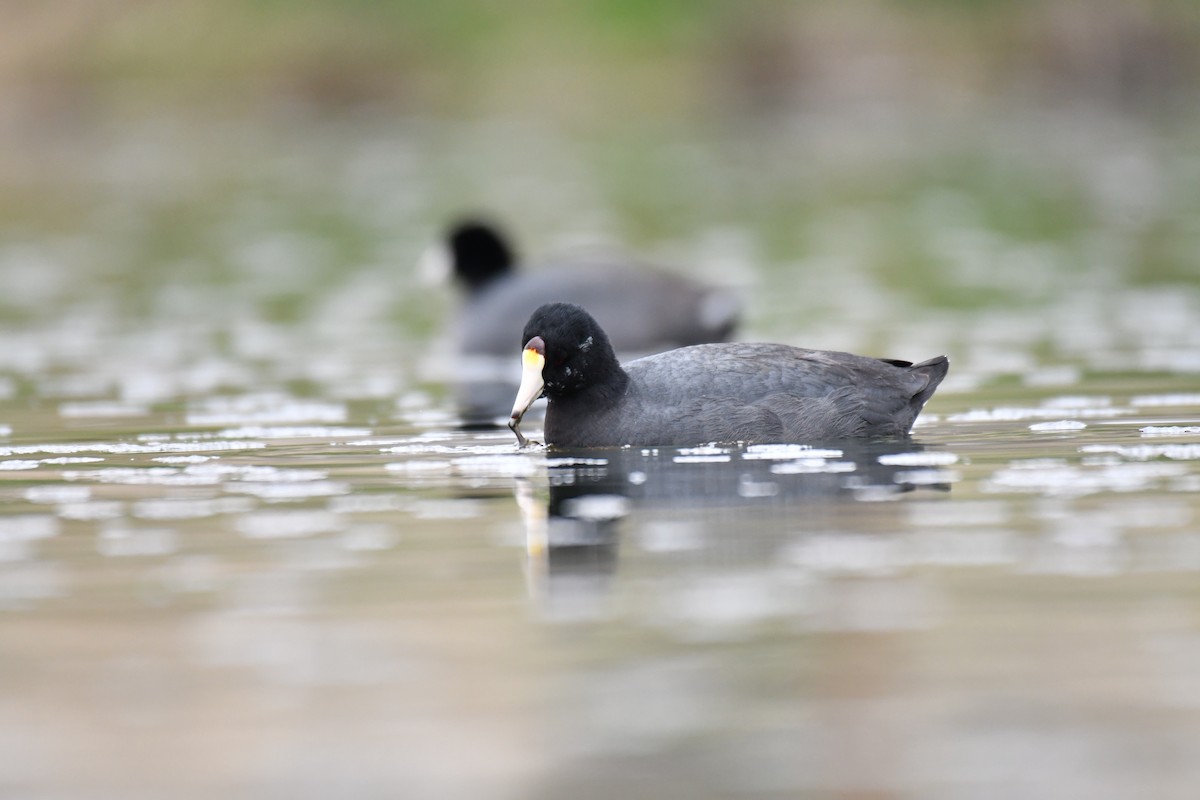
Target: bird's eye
x: 560, y: 360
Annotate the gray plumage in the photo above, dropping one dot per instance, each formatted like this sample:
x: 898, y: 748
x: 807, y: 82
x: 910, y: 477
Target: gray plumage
x: 753, y: 393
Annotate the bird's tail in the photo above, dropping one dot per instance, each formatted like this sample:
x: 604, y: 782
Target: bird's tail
x: 933, y: 371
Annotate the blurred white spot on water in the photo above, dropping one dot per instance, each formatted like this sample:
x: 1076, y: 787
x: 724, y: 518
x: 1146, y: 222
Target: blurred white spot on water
x: 643, y: 707
x: 972, y: 547
x: 17, y: 533
x: 56, y: 493
x: 858, y: 554
x: 447, y: 509
x: 727, y: 606
x: 369, y: 537
x: 102, y: 409
x: 927, y: 477
x: 750, y: 488
x: 419, y: 466
x: 29, y: 581
x: 1170, y: 430
x: 291, y: 432
x: 1017, y: 414
x: 93, y: 510
x: 515, y: 465
x: 1189, y: 451
x: 274, y: 491
x: 128, y: 448
x: 596, y: 507
x: 190, y: 573
x: 286, y: 524
x: 921, y: 458
x: 715, y: 458
x: 877, y: 605
x: 962, y: 513
x: 141, y: 476
x: 1052, y: 479
x: 364, y: 503
x: 812, y: 466
x: 291, y: 652
x: 781, y: 452
x: 1059, y: 425
x: 118, y: 539
x: 704, y: 450
x: 1161, y: 400
x: 1077, y: 401
x: 259, y: 409
x: 1060, y: 375
x: 190, y: 509
x: 667, y: 536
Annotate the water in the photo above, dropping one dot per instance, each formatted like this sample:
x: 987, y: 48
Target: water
x: 247, y: 551
x: 310, y: 600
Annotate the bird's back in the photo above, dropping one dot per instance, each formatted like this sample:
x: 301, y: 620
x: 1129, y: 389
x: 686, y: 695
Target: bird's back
x: 752, y: 393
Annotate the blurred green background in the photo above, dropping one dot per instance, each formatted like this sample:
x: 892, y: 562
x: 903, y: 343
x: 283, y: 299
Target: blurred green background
x: 959, y: 154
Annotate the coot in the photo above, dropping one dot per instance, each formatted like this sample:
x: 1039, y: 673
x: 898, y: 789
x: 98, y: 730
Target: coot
x: 754, y: 393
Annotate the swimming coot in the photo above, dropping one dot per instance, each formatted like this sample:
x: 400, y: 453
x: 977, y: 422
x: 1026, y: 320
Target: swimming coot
x: 755, y: 393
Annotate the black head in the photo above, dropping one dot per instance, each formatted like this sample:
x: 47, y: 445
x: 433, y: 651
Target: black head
x: 577, y: 352
x: 479, y: 252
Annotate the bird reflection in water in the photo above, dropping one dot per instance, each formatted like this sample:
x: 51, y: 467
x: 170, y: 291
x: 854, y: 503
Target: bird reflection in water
x: 574, y: 519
